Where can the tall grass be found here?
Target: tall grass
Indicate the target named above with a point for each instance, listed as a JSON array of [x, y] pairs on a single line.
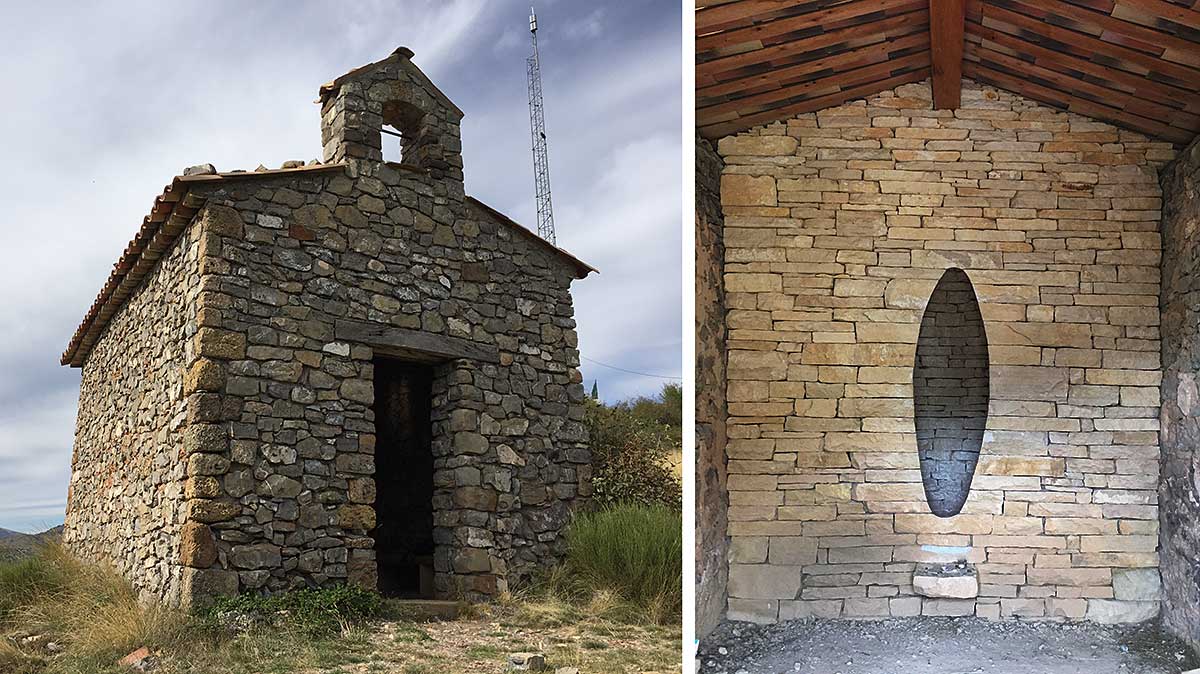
[[625, 562], [88, 609]]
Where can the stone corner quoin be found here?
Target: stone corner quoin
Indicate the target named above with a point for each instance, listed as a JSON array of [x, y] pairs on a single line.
[[837, 226], [226, 438]]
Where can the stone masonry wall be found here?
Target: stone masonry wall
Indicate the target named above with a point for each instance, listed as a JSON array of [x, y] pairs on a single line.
[[1179, 491], [712, 505], [247, 375], [838, 224], [288, 397], [125, 504]]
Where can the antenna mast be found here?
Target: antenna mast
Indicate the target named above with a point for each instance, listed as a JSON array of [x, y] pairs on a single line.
[[537, 127]]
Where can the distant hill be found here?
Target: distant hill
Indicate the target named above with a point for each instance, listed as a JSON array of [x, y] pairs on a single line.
[[14, 545]]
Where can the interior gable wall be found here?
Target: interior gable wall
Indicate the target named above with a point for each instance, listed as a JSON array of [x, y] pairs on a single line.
[[837, 226], [1180, 488]]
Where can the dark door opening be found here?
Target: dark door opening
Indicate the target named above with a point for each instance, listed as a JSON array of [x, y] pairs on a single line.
[[403, 479]]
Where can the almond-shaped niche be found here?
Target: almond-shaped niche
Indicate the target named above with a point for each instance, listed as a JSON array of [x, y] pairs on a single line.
[[950, 392]]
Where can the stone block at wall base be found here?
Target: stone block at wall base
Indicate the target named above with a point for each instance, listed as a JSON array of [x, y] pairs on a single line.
[[1114, 611], [202, 586], [761, 611]]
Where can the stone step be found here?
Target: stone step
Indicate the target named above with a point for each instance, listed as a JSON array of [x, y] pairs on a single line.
[[425, 610]]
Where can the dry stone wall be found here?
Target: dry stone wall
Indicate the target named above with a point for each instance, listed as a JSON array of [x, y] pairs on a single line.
[[286, 393], [712, 541], [125, 504], [1179, 492], [227, 435], [838, 225]]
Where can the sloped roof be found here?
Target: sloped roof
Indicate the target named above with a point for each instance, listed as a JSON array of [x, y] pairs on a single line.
[[169, 217], [1133, 63]]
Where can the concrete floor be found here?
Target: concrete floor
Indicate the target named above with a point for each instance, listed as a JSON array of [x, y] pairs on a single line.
[[942, 646]]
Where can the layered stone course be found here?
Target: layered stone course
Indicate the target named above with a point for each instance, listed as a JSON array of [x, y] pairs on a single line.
[[838, 224], [1180, 489], [712, 506], [125, 503], [301, 280]]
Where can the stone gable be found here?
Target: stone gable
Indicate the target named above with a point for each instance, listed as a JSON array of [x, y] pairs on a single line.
[[837, 227]]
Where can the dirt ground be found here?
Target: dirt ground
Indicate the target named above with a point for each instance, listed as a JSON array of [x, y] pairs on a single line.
[[942, 646], [483, 643]]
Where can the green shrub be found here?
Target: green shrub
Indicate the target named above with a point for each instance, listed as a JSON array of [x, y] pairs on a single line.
[[634, 552], [631, 442], [317, 612]]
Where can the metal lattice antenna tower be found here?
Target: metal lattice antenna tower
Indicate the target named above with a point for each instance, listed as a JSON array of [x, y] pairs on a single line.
[[537, 127]]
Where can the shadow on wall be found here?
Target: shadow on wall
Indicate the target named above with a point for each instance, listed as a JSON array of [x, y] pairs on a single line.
[[950, 392]]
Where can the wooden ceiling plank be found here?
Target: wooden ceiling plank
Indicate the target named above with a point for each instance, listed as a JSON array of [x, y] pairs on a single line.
[[1055, 60], [946, 22], [811, 105], [779, 77], [712, 18], [821, 18], [835, 83], [1131, 104], [1082, 43], [1155, 40], [801, 47], [1165, 10], [1037, 92]]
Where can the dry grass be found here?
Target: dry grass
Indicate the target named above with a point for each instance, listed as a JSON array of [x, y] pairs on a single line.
[[96, 618]]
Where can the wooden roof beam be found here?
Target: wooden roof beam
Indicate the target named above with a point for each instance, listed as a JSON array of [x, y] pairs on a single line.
[[946, 21]]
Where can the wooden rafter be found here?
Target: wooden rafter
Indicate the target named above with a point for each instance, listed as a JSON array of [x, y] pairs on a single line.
[[946, 20]]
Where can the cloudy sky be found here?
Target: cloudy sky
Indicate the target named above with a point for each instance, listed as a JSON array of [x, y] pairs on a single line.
[[105, 102]]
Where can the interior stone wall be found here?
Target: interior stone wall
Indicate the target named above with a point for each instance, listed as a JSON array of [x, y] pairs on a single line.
[[837, 226], [712, 542], [1179, 491]]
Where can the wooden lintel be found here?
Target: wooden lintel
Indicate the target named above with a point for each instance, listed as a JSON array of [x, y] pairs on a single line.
[[946, 21], [413, 344]]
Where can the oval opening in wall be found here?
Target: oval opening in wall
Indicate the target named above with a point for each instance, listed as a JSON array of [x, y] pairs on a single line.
[[950, 392]]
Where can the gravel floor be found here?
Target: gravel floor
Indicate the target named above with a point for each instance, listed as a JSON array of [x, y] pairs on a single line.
[[942, 646]]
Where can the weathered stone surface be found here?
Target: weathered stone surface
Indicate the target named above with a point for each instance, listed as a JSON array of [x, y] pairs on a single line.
[[356, 517], [1179, 490], [764, 581], [198, 548], [258, 556], [712, 507], [1111, 611], [1137, 585], [950, 587]]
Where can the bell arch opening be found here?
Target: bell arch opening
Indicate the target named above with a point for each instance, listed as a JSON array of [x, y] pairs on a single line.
[[950, 392]]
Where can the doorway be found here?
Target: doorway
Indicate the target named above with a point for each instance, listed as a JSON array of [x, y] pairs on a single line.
[[403, 479]]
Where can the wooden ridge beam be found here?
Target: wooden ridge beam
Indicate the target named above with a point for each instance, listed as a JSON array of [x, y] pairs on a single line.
[[947, 18]]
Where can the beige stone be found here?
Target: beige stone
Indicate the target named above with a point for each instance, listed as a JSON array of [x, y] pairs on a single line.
[[746, 190]]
